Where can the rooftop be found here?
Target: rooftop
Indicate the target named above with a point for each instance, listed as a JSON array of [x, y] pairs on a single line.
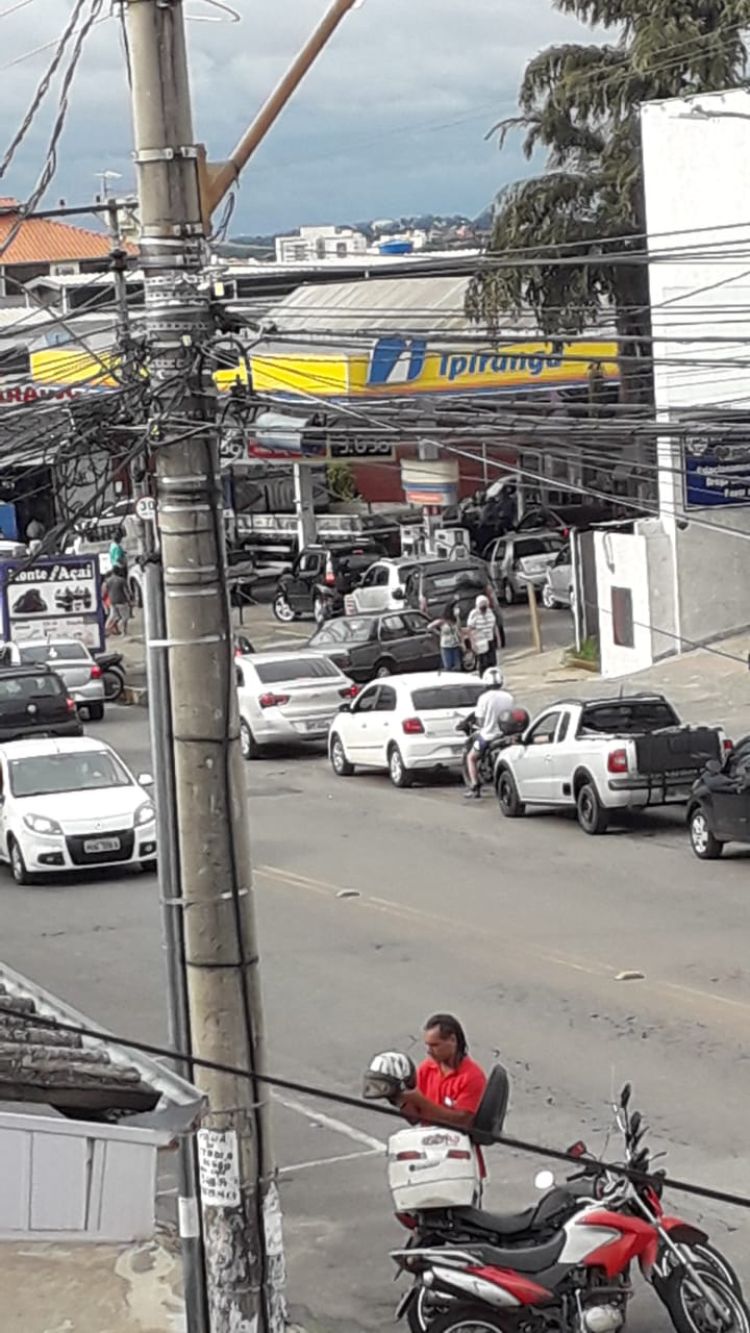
[[44, 241]]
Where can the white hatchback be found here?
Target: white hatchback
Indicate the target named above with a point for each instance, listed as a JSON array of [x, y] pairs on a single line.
[[287, 697], [69, 804], [405, 725]]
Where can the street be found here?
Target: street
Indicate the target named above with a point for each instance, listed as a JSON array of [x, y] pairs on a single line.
[[522, 928]]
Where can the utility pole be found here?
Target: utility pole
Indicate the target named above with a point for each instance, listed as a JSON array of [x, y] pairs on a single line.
[[241, 1216]]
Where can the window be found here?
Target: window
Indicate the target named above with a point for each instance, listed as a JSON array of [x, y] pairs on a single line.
[[623, 634], [376, 576], [309, 562], [452, 581], [386, 702], [16, 689], [391, 628], [628, 717], [447, 696], [352, 629], [535, 546], [239, 676], [341, 249], [66, 772], [300, 668], [367, 701], [562, 733], [543, 733], [416, 623], [33, 653]]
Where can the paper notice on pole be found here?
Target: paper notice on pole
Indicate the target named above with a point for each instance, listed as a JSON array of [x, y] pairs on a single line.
[[219, 1166]]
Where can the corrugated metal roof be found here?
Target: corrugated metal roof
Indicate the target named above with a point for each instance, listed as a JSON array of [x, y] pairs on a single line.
[[42, 241]]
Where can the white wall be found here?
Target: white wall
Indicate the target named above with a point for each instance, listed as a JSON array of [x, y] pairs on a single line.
[[622, 562], [698, 219]]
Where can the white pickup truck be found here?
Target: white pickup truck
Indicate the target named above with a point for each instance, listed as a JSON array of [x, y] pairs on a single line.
[[602, 755]]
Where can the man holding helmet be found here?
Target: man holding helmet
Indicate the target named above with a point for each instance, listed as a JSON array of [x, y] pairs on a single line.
[[447, 1087], [491, 706]]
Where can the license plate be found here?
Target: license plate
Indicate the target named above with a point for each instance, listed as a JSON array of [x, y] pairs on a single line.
[[101, 845], [321, 724]]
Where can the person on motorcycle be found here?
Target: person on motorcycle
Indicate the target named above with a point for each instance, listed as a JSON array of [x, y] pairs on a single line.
[[489, 712], [450, 1085]]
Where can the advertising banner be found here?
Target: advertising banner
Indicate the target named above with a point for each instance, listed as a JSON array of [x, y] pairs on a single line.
[[54, 598], [716, 472]]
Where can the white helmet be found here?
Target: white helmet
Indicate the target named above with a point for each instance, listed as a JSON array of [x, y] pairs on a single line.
[[388, 1074], [493, 678]]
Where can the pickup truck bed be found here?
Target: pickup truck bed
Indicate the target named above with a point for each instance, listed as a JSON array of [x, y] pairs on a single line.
[[604, 755]]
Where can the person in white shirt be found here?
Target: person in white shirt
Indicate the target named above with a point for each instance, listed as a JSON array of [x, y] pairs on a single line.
[[489, 712], [486, 634]]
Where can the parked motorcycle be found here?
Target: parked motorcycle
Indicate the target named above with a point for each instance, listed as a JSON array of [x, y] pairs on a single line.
[[577, 1242], [514, 723], [113, 675]]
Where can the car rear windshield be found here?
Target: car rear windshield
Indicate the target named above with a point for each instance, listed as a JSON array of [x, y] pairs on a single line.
[[446, 696], [70, 651], [629, 717], [354, 629], [15, 689], [536, 546], [45, 774], [301, 668], [453, 580]]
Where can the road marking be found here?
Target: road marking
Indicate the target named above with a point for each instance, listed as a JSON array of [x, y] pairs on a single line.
[[696, 994], [330, 1161], [330, 1122]]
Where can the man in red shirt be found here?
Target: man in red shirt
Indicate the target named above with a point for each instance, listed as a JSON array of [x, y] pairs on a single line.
[[450, 1085]]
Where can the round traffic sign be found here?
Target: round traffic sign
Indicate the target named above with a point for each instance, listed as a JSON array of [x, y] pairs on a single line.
[[145, 508]]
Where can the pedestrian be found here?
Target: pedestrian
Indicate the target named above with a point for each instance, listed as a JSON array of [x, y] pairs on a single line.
[[486, 634], [448, 625], [117, 553], [120, 601]]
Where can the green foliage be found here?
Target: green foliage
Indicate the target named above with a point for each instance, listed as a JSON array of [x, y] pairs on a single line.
[[581, 104], [340, 478]]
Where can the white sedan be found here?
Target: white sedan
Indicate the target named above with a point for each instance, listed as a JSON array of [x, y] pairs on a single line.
[[71, 803], [405, 725], [287, 697]]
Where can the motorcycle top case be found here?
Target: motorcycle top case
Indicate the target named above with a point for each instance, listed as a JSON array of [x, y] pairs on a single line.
[[429, 1167]]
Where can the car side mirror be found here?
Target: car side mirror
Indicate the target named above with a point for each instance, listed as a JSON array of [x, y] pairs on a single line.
[[145, 780]]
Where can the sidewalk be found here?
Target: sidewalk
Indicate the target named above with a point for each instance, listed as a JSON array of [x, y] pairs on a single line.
[[91, 1288]]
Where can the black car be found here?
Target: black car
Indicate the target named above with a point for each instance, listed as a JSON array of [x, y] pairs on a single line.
[[434, 583], [719, 807], [35, 702], [320, 578], [384, 644]]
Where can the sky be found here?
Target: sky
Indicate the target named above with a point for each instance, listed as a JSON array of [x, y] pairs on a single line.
[[391, 120]]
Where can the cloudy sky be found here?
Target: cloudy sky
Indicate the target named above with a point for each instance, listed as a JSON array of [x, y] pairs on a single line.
[[391, 120]]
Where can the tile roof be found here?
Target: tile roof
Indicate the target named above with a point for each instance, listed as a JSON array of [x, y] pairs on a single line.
[[44, 241]]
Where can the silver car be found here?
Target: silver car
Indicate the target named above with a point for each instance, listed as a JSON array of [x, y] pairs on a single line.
[[520, 558], [71, 660], [288, 698], [557, 589]]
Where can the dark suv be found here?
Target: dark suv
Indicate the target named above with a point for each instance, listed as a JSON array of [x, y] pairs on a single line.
[[320, 578], [434, 583], [35, 702]]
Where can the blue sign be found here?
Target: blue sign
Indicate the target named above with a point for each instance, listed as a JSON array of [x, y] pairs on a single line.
[[719, 476], [390, 364]]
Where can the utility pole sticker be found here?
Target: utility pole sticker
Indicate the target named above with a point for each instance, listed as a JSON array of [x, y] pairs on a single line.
[[219, 1164]]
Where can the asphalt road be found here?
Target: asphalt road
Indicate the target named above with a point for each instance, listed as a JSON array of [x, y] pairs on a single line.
[[522, 928]]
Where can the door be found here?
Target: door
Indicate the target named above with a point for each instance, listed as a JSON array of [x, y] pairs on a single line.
[[381, 727], [306, 572], [424, 652], [372, 593], [357, 727], [396, 643], [4, 796], [534, 769]]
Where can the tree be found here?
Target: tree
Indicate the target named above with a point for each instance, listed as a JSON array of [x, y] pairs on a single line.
[[581, 103]]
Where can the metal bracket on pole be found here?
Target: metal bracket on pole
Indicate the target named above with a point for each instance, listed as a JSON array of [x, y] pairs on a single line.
[[144, 156]]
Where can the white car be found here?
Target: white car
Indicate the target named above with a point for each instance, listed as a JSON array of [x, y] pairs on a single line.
[[71, 660], [405, 725], [69, 804], [287, 697], [383, 587]]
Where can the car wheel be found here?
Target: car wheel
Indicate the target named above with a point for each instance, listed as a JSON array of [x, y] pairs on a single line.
[[507, 794], [384, 669], [399, 773], [248, 744], [702, 840], [17, 864], [319, 612], [96, 712], [548, 600], [339, 762], [509, 597], [593, 817], [148, 867], [282, 610]]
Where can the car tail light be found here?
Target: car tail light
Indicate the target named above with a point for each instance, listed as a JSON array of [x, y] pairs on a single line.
[[407, 1220], [330, 576], [727, 745], [273, 700], [70, 704], [459, 1154], [350, 692], [96, 672], [412, 726], [617, 761], [410, 1155]]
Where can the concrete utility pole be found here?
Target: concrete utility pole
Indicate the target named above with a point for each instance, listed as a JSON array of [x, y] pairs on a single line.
[[241, 1217]]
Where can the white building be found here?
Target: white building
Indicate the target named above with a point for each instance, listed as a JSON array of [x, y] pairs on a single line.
[[682, 578], [313, 243]]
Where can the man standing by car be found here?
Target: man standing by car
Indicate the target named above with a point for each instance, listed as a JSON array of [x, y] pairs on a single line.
[[488, 713], [486, 634]]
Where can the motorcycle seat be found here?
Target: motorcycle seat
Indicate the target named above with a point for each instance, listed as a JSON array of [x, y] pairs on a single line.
[[525, 1259], [498, 1224]]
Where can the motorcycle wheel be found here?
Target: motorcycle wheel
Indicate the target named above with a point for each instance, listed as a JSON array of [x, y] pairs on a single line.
[[114, 684], [703, 1256], [691, 1311], [469, 1319], [423, 1311]]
